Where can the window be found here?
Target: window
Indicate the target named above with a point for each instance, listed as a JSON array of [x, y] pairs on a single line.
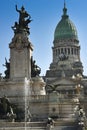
[[68, 51], [72, 51]]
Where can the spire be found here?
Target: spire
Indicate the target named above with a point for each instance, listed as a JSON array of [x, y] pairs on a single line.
[[65, 11], [64, 4]]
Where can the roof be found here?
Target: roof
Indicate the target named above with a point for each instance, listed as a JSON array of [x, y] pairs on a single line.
[[65, 29]]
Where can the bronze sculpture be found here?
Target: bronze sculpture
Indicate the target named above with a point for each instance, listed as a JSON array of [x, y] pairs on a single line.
[[24, 20]]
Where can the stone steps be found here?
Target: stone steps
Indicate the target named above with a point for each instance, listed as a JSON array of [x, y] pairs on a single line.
[[22, 128], [21, 125], [58, 125]]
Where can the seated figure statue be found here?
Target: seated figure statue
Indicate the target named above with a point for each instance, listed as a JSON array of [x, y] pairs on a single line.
[[35, 70], [6, 110], [7, 71]]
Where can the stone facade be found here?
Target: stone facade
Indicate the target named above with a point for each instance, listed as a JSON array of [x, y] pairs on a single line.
[[65, 50]]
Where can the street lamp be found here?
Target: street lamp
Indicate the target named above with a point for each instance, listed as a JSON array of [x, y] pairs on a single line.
[[78, 87]]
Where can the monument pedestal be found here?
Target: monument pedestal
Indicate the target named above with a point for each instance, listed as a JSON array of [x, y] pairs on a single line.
[[20, 57], [38, 86]]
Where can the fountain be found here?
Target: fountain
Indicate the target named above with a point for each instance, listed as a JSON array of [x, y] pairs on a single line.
[[27, 95]]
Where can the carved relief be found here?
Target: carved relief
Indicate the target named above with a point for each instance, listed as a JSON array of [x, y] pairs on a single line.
[[19, 42]]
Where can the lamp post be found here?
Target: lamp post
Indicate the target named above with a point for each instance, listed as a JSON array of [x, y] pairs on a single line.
[[81, 119], [78, 87]]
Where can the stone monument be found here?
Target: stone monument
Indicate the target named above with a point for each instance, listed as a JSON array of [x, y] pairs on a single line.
[[19, 65], [21, 48]]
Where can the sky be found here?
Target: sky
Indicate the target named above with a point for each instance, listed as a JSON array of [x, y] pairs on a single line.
[[45, 15]]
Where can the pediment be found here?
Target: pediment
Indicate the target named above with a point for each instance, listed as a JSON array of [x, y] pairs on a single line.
[[58, 84], [63, 81]]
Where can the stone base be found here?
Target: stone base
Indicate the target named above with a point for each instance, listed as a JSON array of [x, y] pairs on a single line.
[[58, 125], [22, 126]]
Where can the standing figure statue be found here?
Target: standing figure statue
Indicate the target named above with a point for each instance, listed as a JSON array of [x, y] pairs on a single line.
[[23, 22]]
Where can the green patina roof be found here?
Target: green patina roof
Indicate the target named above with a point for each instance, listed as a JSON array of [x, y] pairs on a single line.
[[65, 28]]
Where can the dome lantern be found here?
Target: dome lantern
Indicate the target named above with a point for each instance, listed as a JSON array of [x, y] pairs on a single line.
[[65, 11]]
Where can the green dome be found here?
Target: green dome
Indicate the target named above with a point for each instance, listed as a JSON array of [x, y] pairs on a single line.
[[65, 29]]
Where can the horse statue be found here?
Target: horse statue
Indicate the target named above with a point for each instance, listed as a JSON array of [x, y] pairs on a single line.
[[63, 57]]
